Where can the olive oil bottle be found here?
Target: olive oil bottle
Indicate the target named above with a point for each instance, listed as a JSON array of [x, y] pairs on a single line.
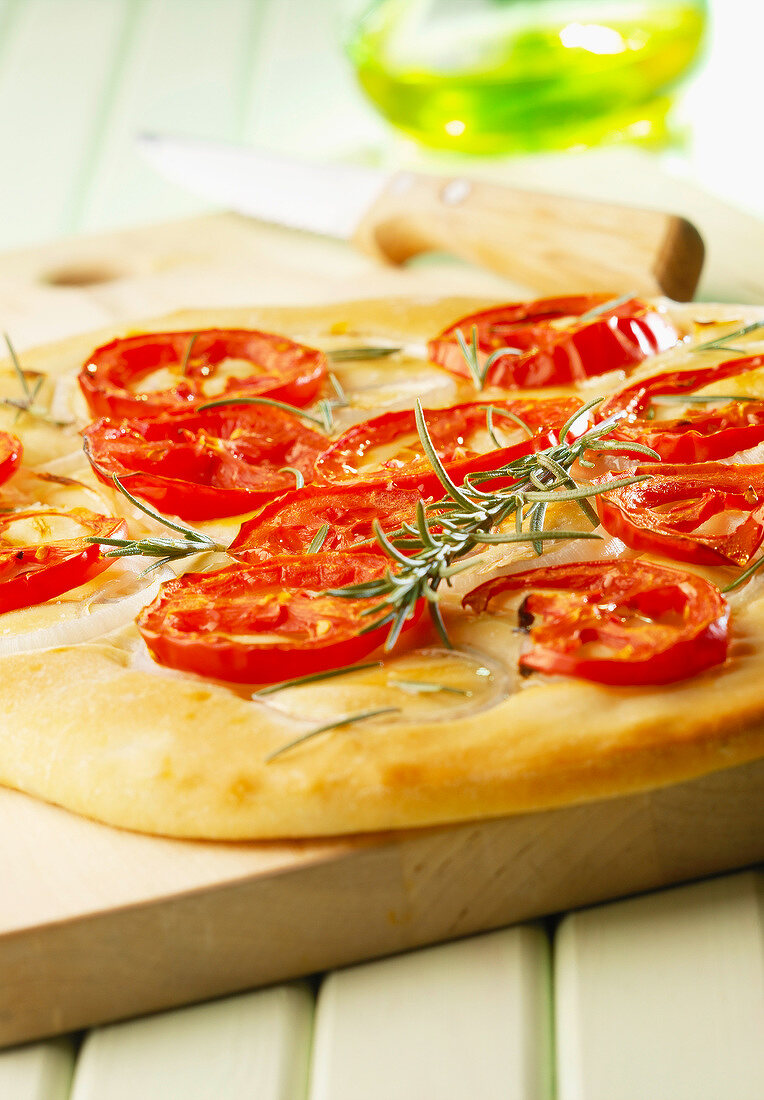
[[490, 76]]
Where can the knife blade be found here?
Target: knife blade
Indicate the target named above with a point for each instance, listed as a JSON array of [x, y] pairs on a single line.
[[551, 243]]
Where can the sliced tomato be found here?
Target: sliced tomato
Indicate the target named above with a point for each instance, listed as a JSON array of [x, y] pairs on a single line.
[[289, 524], [265, 622], [35, 565], [206, 465], [698, 435], [555, 346], [387, 450], [11, 451], [625, 622], [116, 378], [708, 512]]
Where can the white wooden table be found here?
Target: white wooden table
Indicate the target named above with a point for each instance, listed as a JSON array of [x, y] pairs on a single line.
[[658, 996]]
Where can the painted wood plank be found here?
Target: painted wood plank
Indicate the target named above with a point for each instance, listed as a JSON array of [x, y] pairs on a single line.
[[185, 69], [466, 1019], [304, 98], [254, 1045], [663, 995], [40, 1071], [56, 63]]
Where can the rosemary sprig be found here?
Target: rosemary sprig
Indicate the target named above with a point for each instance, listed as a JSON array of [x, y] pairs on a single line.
[[479, 373], [155, 546], [338, 723], [467, 517], [26, 404], [314, 678]]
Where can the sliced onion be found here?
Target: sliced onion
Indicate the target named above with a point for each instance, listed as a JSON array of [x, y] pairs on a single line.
[[114, 605], [752, 457], [67, 465], [67, 402]]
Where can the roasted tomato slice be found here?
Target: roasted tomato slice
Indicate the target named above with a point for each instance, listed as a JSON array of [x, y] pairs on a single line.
[[206, 465], [290, 524], [46, 552], [624, 622], [11, 451], [265, 622], [155, 373], [555, 346], [698, 435], [387, 450], [709, 512]]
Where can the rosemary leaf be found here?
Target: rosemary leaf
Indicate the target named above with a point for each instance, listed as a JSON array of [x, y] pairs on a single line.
[[718, 341], [341, 396], [325, 414], [389, 618], [534, 536], [437, 465], [362, 591], [583, 491], [425, 687], [623, 446], [437, 618], [314, 678], [319, 539], [744, 576], [702, 399], [298, 476], [187, 354], [395, 630], [349, 355], [605, 307], [576, 415], [320, 421], [338, 723], [470, 353], [491, 409], [193, 536], [387, 545], [20, 373]]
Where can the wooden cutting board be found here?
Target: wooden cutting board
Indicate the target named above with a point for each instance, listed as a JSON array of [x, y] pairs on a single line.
[[98, 924]]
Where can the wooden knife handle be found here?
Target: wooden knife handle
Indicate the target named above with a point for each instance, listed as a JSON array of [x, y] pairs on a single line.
[[550, 243]]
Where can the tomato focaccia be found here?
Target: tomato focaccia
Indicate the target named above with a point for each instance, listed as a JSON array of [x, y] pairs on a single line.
[[534, 507]]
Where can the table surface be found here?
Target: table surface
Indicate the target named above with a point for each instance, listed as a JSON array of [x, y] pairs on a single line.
[[656, 996], [660, 996]]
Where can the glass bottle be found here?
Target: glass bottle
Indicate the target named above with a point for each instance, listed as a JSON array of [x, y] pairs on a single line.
[[489, 76]]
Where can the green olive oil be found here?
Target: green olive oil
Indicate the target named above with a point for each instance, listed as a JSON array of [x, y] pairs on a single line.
[[512, 75]]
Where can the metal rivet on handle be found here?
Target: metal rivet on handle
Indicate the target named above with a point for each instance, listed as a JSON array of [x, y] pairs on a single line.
[[456, 191]]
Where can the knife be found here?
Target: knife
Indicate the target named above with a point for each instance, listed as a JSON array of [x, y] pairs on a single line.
[[551, 243]]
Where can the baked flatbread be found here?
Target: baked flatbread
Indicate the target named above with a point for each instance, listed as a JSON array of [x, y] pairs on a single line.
[[94, 724]]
